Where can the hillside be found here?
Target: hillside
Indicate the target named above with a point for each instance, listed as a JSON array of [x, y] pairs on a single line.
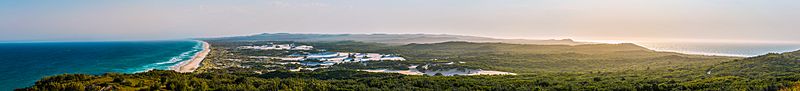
[[389, 38], [357, 80], [541, 67], [772, 64], [770, 71], [522, 58]]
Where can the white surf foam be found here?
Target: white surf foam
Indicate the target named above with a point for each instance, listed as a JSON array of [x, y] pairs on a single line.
[[166, 65]]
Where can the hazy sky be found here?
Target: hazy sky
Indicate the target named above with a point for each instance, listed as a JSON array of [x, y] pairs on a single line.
[[628, 20]]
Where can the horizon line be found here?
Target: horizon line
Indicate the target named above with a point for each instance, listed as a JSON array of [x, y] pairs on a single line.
[[568, 38]]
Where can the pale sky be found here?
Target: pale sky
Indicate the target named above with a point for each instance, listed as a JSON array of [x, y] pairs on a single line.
[[623, 20]]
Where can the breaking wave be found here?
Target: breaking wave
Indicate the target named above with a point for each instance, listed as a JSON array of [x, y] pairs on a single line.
[[173, 61]]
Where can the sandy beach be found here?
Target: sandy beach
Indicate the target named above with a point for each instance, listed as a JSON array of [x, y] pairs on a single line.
[[194, 63]]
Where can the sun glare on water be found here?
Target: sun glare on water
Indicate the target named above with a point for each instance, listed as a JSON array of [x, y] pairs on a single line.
[[606, 41]]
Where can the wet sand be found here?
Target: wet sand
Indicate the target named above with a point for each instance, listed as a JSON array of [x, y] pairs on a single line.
[[194, 63]]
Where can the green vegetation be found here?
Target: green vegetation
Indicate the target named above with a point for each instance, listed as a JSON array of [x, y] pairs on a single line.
[[348, 80], [520, 58], [540, 67], [771, 71]]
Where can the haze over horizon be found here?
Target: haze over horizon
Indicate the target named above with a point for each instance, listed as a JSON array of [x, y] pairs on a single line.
[[610, 21]]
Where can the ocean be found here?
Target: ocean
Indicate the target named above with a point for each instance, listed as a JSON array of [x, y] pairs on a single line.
[[722, 49], [24, 63]]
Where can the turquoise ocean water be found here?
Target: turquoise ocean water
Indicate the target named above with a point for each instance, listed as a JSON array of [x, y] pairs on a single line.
[[21, 64]]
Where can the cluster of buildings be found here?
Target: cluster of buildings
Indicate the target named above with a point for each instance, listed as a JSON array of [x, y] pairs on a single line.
[[322, 58], [357, 57], [331, 58], [279, 47]]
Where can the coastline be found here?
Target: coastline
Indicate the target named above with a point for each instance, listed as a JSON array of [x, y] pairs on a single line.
[[707, 53], [192, 64]]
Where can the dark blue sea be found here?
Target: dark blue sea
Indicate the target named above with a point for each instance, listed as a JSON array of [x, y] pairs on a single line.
[[21, 64]]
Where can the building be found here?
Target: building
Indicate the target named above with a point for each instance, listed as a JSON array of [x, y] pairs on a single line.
[[279, 47], [322, 55], [303, 47], [392, 58]]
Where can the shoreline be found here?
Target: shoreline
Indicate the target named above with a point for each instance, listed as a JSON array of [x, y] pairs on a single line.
[[190, 65], [707, 53]]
